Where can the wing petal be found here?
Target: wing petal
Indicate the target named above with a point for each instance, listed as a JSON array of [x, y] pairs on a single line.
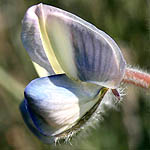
[[57, 103]]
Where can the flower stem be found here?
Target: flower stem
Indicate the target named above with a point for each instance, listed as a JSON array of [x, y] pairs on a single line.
[[136, 77]]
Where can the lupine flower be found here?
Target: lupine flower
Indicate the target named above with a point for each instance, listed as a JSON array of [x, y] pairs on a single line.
[[84, 68]]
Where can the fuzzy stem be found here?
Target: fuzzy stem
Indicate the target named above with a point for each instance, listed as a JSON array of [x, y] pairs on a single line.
[[136, 77]]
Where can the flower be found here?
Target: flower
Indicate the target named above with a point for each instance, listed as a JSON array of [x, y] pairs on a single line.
[[83, 64]]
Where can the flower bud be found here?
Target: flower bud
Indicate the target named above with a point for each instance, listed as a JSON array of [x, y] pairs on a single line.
[[83, 61]]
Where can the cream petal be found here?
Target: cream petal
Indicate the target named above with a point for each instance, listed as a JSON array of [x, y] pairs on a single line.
[[57, 103], [84, 52]]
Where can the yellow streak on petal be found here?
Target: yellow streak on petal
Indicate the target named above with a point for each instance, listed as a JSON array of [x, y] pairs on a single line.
[[40, 70], [47, 46]]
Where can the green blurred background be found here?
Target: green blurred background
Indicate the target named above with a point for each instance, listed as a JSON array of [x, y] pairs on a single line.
[[128, 22]]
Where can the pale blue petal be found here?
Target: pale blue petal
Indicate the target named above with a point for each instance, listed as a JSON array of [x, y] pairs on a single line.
[[56, 103]]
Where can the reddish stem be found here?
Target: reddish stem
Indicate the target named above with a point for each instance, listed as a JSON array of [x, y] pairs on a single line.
[[136, 77]]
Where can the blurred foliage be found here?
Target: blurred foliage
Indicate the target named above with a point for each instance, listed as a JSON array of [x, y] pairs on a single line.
[[128, 22]]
